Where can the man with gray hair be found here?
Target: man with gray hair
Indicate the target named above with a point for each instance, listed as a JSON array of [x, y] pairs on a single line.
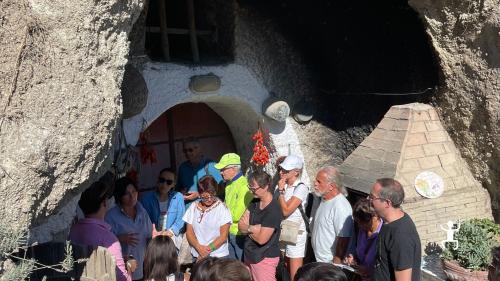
[[398, 251], [333, 224], [194, 168]]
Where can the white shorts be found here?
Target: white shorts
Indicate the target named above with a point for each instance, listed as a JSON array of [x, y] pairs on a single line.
[[296, 250]]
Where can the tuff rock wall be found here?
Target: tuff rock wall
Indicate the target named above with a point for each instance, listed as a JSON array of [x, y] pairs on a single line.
[[61, 67], [466, 38]]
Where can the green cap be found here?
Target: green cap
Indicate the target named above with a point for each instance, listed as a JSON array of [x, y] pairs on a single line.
[[228, 159]]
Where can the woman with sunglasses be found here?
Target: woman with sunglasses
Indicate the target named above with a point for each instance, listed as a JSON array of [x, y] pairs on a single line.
[[261, 222], [130, 222], [207, 222], [165, 207]]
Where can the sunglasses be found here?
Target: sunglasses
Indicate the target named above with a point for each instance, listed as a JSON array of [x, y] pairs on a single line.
[[168, 181], [185, 150]]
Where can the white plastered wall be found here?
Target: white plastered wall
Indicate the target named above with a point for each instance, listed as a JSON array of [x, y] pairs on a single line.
[[238, 101]]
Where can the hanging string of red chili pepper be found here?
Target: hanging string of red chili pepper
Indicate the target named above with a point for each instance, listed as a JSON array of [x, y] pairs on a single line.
[[133, 175], [147, 152], [260, 153]]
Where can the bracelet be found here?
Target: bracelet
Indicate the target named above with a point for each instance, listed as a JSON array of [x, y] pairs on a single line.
[[212, 246]]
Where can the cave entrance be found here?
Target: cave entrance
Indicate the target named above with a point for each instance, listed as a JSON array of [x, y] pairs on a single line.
[[167, 133]]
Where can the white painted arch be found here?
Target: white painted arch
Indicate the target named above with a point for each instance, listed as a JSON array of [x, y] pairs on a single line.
[[238, 101]]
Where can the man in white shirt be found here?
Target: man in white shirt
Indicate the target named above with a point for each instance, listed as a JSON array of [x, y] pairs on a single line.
[[333, 224]]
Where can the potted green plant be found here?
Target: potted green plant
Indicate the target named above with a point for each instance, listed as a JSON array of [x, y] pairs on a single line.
[[469, 259]]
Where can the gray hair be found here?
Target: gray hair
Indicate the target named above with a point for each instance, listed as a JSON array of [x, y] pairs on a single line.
[[333, 176], [238, 167], [392, 190]]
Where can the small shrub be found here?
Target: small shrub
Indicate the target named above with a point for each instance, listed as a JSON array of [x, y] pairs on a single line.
[[15, 267], [475, 242]]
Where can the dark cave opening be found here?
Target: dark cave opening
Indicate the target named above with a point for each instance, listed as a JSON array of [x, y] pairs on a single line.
[[364, 56], [358, 46]]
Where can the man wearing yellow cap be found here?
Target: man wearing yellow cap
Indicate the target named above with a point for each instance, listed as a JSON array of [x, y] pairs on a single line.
[[237, 197]]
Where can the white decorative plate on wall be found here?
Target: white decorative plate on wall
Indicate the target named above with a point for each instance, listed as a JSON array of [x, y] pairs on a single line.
[[429, 184]]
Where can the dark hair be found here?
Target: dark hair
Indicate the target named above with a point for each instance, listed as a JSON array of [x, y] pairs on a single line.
[[363, 211], [121, 188], [160, 259], [320, 271], [91, 199], [279, 160], [216, 269], [201, 269], [392, 190], [262, 179], [191, 140], [167, 170], [495, 253], [207, 184]]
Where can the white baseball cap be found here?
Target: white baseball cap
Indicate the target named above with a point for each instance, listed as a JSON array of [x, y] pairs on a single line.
[[292, 162]]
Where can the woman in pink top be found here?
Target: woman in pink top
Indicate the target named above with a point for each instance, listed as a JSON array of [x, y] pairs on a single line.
[[94, 231]]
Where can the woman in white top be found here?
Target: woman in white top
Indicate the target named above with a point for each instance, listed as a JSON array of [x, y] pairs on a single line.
[[292, 194], [160, 260], [207, 222]]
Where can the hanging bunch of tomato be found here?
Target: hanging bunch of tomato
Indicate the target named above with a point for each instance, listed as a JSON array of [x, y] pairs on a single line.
[[260, 153], [148, 154]]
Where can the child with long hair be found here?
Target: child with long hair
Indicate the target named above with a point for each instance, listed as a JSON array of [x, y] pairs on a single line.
[[160, 260]]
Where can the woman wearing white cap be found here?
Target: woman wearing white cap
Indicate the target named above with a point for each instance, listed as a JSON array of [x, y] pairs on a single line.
[[292, 197]]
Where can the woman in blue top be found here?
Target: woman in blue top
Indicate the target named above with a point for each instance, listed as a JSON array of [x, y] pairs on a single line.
[[130, 223], [165, 206]]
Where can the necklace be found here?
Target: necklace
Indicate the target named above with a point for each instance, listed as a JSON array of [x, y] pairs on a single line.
[[203, 212]]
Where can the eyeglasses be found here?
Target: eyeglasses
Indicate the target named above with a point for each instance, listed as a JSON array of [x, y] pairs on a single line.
[[372, 197], [253, 189], [207, 198], [226, 168], [163, 180]]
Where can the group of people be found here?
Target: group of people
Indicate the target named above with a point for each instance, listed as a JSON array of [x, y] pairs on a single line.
[[229, 222]]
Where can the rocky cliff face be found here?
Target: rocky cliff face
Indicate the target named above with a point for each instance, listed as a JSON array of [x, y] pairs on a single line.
[[466, 37], [62, 63], [61, 68]]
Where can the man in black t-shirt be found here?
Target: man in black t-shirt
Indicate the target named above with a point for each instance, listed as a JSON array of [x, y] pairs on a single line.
[[398, 249]]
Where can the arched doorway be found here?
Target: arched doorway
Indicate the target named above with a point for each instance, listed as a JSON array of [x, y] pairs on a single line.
[[166, 134]]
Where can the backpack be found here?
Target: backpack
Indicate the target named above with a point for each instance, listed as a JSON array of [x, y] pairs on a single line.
[[305, 216]]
